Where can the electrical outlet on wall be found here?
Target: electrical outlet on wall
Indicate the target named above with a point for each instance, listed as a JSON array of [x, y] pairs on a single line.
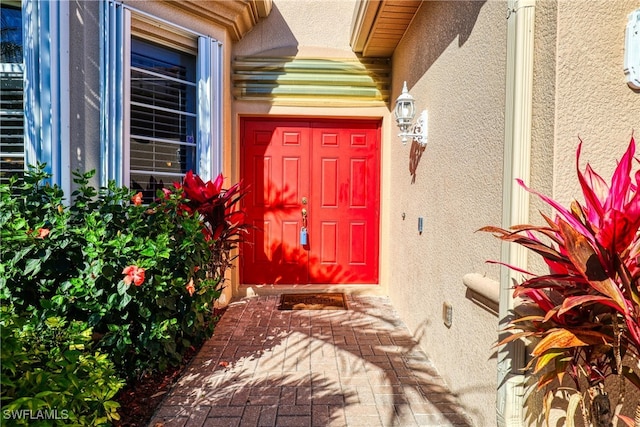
[[447, 314]]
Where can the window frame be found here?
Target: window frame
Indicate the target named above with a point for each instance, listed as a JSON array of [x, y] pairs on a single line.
[[117, 30], [46, 89]]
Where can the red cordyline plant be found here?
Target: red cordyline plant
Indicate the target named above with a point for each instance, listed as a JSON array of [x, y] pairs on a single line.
[[587, 308], [223, 223]]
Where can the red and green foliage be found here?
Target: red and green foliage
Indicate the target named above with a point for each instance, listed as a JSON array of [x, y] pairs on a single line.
[[140, 280], [588, 304], [223, 223]]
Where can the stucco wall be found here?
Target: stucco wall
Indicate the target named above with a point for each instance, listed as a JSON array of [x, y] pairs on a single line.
[[303, 27], [543, 106], [593, 100], [453, 58]]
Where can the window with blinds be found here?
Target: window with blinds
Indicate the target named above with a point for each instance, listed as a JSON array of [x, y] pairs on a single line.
[[163, 126], [11, 93]]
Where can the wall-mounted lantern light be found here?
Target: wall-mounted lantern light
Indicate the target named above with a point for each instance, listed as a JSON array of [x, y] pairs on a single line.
[[405, 111]]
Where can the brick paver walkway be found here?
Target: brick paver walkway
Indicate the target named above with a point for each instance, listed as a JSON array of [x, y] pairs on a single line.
[[265, 367]]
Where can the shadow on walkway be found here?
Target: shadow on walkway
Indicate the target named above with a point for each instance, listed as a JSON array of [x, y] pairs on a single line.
[[265, 367]]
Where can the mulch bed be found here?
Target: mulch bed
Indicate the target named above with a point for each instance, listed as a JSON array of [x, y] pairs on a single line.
[[140, 399]]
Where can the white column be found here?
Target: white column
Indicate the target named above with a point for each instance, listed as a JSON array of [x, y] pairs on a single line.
[[517, 159]]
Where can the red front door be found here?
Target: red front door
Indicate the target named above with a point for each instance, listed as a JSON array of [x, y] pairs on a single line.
[[320, 175]]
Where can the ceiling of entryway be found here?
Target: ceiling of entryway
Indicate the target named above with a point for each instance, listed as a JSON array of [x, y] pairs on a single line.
[[378, 25]]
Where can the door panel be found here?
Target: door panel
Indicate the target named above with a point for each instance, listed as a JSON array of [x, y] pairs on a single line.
[[334, 167], [276, 168], [346, 155]]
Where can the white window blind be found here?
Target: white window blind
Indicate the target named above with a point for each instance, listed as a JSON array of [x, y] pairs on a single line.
[[11, 94], [162, 135], [11, 124]]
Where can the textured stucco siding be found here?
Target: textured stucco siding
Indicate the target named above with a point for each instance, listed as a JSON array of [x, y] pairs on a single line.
[[453, 58], [593, 100], [302, 28]]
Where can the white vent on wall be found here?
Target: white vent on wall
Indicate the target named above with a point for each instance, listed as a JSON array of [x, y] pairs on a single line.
[[632, 50]]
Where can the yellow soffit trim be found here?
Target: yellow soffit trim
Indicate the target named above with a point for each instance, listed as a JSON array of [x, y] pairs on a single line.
[[312, 81]]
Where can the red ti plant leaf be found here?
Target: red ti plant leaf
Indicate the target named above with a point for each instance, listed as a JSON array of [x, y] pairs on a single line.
[[632, 264], [585, 258], [621, 180], [582, 300], [614, 212], [537, 296], [562, 210], [200, 192], [626, 420], [217, 208], [544, 359], [594, 189]]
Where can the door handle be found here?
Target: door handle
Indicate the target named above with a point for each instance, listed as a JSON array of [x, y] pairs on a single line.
[[304, 235]]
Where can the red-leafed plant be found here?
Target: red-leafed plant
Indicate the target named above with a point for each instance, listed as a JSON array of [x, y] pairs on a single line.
[[223, 223], [587, 307]]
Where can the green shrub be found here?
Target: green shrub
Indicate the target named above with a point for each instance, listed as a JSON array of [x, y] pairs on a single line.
[[136, 274], [52, 376], [102, 287]]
